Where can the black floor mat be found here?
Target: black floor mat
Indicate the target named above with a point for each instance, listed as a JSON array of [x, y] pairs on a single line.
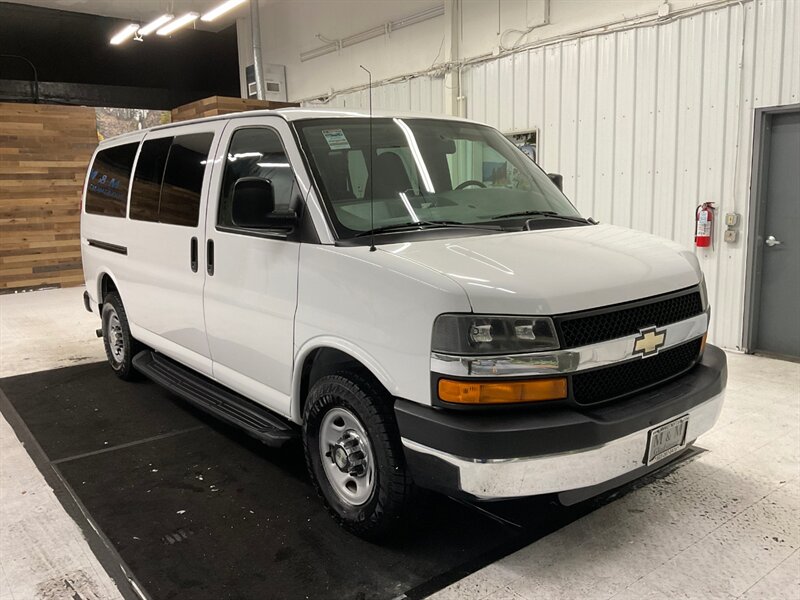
[[198, 510]]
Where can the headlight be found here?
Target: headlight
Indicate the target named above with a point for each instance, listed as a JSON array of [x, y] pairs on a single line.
[[485, 334]]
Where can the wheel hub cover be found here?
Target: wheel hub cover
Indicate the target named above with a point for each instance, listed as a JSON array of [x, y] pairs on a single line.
[[348, 455]]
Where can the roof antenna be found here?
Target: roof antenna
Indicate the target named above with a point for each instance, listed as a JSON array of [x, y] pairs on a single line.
[[371, 172]]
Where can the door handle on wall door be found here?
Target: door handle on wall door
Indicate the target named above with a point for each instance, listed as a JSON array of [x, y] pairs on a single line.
[[193, 254], [210, 257], [771, 241]]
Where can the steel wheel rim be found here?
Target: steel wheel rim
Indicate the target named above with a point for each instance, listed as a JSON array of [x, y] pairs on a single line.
[[116, 341], [341, 431]]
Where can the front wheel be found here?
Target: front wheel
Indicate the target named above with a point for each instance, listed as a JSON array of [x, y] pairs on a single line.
[[354, 455]]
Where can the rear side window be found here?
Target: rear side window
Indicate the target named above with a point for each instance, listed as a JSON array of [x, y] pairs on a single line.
[[169, 179], [183, 179], [147, 180], [109, 178]]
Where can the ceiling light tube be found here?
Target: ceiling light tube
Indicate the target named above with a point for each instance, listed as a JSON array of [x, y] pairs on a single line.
[[177, 23], [125, 34], [153, 25], [221, 9]]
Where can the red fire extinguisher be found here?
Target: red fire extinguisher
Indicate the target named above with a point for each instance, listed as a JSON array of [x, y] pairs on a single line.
[[704, 218]]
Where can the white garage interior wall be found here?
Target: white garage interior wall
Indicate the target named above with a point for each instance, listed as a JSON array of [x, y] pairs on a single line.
[[645, 122]]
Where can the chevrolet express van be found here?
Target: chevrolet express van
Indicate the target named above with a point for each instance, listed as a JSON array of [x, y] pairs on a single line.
[[412, 297]]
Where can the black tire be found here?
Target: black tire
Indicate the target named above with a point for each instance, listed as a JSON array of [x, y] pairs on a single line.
[[373, 407], [115, 340]]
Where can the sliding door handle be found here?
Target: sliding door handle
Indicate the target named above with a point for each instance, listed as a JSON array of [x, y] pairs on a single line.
[[193, 254], [210, 257]]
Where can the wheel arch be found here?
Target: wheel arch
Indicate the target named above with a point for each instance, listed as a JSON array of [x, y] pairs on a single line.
[[106, 282], [325, 356]]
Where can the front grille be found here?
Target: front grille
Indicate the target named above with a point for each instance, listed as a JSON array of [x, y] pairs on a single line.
[[609, 383], [623, 321]]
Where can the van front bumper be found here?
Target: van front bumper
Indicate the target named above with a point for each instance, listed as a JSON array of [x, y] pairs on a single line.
[[512, 453]]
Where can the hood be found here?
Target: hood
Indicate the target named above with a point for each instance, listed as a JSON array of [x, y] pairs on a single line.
[[556, 271]]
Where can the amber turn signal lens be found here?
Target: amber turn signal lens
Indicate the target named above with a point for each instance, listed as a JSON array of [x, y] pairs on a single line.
[[502, 392], [703, 343]]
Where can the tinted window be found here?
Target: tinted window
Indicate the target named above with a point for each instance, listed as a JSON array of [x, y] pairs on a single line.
[[109, 178], [256, 152], [147, 180], [183, 179]]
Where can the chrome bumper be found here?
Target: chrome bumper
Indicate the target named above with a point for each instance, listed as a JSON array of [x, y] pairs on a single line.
[[549, 473]]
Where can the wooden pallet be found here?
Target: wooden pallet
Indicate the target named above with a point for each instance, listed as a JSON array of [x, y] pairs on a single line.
[[222, 105], [44, 154]]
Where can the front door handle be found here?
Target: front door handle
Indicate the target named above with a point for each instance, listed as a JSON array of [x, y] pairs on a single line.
[[771, 241], [210, 257], [193, 254]]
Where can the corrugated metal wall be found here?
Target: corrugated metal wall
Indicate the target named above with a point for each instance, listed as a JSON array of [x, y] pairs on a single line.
[[421, 94], [646, 123]]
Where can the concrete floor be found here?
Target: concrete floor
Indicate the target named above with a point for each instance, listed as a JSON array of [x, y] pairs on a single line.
[[725, 525], [43, 553]]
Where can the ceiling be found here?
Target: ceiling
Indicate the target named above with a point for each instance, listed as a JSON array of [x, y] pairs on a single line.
[[144, 11]]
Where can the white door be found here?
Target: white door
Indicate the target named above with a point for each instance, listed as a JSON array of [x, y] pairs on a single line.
[[164, 274], [251, 285]]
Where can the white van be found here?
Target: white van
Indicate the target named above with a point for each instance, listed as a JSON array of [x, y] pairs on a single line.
[[413, 297]]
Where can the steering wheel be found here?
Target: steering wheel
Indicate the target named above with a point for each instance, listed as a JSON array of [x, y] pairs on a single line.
[[470, 182]]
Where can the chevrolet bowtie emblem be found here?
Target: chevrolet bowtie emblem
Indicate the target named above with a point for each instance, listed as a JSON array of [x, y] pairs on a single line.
[[649, 342]]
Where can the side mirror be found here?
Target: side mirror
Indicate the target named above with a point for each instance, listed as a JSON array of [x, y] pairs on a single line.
[[557, 179], [253, 206]]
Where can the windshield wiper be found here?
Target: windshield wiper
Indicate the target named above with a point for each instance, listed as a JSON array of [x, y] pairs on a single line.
[[423, 225], [544, 213]]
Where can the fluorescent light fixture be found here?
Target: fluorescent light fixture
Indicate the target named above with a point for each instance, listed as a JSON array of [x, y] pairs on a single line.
[[177, 23], [269, 165], [125, 34], [153, 25], [222, 9]]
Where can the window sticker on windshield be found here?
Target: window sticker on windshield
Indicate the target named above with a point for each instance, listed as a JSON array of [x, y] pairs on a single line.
[[336, 139]]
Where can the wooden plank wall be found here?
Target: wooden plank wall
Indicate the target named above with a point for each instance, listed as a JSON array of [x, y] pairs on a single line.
[[44, 154], [222, 105]]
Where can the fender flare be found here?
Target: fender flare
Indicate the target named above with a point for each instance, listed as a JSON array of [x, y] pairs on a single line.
[[336, 343], [104, 271]]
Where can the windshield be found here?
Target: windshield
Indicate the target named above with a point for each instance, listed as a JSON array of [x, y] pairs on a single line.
[[425, 171]]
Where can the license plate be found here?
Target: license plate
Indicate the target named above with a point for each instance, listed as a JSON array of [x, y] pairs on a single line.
[[667, 439]]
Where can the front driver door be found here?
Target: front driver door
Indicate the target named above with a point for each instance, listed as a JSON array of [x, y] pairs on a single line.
[[251, 283]]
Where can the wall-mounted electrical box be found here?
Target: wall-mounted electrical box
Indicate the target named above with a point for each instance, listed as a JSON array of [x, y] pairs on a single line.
[[731, 222], [274, 82]]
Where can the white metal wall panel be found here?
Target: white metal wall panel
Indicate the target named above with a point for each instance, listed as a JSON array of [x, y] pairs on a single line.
[[645, 123], [493, 92], [520, 77], [606, 128], [644, 129], [790, 83], [690, 101], [536, 96], [587, 127], [570, 92], [624, 115], [666, 138], [420, 94], [506, 90]]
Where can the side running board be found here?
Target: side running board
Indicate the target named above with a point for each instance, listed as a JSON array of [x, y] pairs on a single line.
[[215, 399]]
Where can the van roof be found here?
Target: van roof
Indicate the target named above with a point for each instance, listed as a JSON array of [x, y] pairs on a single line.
[[290, 114]]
